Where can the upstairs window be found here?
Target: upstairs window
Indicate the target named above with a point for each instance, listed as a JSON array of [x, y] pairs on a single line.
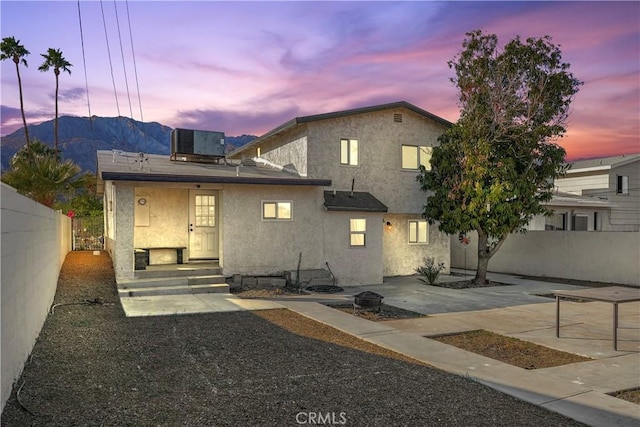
[[413, 156], [276, 210], [357, 232], [418, 231], [622, 186], [349, 152]]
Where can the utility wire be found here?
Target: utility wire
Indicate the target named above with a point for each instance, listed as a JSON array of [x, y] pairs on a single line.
[[84, 62], [106, 36], [133, 53], [124, 66]]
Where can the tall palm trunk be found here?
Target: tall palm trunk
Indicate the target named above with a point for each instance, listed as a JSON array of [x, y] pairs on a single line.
[[55, 122], [24, 119]]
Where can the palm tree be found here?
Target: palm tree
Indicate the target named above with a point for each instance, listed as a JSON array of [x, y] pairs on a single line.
[[11, 48], [39, 174], [54, 59]]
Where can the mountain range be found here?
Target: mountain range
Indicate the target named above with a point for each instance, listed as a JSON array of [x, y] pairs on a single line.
[[80, 137]]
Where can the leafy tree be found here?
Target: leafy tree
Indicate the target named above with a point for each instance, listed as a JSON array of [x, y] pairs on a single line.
[[12, 49], [82, 198], [496, 165], [40, 175], [54, 59]]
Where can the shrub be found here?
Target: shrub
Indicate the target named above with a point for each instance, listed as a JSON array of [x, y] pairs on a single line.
[[429, 270]]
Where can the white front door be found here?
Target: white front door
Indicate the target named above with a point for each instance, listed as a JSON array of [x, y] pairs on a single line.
[[203, 224]]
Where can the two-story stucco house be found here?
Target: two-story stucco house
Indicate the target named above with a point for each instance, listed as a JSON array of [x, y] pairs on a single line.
[[377, 150], [613, 180], [340, 188]]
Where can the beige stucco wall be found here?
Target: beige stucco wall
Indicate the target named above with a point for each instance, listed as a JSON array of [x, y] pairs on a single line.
[[162, 221], [262, 247], [401, 258], [353, 265], [292, 157], [35, 241], [380, 141], [584, 255]]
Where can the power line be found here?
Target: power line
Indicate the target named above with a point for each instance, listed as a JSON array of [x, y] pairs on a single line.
[[84, 62], [106, 36], [124, 67], [133, 53]]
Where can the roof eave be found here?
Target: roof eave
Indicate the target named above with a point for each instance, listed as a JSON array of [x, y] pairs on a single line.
[[118, 176]]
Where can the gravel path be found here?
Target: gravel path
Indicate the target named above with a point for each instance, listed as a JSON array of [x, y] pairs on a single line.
[[93, 366]]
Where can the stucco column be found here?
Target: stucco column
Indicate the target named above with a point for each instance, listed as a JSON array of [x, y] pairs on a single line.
[[123, 260]]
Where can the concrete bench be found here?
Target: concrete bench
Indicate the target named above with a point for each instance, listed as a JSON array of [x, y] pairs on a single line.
[[179, 252]]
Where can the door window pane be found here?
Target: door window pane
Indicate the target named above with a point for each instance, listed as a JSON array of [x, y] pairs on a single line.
[[205, 211]]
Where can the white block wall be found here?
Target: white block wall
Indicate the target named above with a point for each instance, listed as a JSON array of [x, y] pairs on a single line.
[[606, 256], [34, 243]]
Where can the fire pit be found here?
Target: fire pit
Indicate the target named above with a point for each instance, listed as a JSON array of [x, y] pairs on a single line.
[[367, 301]]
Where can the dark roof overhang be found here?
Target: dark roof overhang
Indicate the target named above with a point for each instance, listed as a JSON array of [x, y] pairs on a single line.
[[147, 177], [357, 201]]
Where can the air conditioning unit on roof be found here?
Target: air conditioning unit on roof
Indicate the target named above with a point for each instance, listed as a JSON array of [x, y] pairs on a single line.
[[197, 142]]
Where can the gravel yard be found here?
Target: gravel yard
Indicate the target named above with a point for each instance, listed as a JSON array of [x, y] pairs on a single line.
[[93, 366]]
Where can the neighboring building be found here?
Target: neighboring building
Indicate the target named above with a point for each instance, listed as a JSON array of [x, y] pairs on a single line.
[[572, 213], [615, 180], [340, 188]]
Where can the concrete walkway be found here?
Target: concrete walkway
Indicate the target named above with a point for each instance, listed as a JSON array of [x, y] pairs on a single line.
[[578, 390]]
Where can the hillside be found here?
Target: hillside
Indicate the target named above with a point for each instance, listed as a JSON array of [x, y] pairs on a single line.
[[81, 137]]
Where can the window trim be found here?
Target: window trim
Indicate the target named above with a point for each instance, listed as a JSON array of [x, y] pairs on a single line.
[[418, 156], [417, 242], [363, 233], [276, 203], [621, 180], [349, 142]]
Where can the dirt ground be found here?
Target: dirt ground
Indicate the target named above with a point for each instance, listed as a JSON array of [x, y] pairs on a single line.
[[91, 365]]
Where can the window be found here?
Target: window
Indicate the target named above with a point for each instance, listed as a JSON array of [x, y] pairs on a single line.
[[205, 211], [418, 231], [349, 152], [414, 156], [579, 222], [595, 221], [276, 210], [558, 221], [622, 186], [358, 230]]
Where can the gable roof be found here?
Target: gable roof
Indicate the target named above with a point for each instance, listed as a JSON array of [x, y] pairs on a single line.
[[324, 116], [602, 163], [117, 165], [357, 201]]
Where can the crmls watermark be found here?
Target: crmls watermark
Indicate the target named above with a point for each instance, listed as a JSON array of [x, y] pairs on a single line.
[[321, 418]]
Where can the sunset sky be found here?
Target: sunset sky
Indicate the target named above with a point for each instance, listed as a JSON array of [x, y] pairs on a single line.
[[247, 67]]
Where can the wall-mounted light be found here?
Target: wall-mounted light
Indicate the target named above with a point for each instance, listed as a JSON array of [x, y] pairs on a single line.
[[387, 224], [142, 201]]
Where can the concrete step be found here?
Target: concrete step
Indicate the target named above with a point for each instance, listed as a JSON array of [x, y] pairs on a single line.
[[185, 271], [171, 281], [174, 290]]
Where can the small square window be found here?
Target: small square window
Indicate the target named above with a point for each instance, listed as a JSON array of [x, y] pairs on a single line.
[[415, 156], [349, 152], [622, 185], [418, 231], [358, 230], [276, 210]]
